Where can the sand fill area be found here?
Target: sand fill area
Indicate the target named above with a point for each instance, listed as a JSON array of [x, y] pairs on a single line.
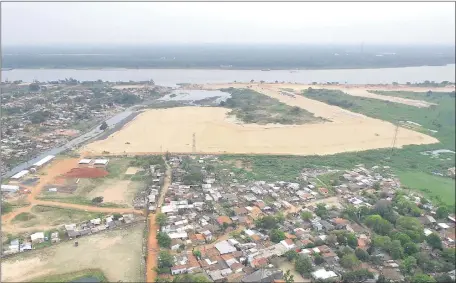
[[172, 130]]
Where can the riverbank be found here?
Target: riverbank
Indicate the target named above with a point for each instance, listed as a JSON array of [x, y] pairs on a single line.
[[172, 77], [209, 68]]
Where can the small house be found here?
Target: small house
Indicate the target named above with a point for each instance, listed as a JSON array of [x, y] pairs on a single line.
[[37, 237]]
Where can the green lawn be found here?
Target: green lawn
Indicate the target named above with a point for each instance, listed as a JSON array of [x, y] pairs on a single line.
[[252, 107], [441, 189], [73, 276]]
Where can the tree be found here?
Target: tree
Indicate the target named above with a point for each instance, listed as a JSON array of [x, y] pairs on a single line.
[[410, 248], [116, 216], [449, 255], [442, 212], [103, 126], [318, 259], [408, 265], [197, 254], [444, 278], [321, 210], [382, 242], [423, 278], [361, 254], [276, 235], [331, 240], [97, 200], [380, 225], [291, 254], [352, 241], [402, 237], [185, 278], [34, 87], [161, 219], [303, 265], [349, 261], [288, 277], [396, 250], [381, 279], [164, 240], [165, 259], [412, 227], [434, 241], [360, 275], [267, 222]]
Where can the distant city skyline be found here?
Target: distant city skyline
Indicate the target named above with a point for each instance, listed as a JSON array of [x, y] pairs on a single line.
[[238, 23]]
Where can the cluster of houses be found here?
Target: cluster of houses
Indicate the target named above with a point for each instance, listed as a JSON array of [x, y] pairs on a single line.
[[97, 225], [218, 219], [18, 245], [70, 231], [42, 118]]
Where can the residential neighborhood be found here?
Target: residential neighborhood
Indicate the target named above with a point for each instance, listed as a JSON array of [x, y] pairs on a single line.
[[233, 231]]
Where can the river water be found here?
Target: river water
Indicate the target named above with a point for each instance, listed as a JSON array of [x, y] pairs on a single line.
[[170, 77]]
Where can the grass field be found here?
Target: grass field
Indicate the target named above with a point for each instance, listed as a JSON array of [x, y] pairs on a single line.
[[252, 107], [439, 117], [117, 254], [73, 276], [436, 188]]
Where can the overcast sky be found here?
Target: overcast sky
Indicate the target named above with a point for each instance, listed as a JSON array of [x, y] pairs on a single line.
[[143, 23]]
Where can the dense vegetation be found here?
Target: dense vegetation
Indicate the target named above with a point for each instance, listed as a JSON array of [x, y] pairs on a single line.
[[226, 56], [252, 107], [412, 167]]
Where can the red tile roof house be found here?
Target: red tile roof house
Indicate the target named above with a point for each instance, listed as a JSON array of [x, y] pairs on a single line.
[[323, 191], [223, 219]]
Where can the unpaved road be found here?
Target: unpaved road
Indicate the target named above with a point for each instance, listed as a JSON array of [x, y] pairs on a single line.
[[56, 168], [215, 133], [152, 244]]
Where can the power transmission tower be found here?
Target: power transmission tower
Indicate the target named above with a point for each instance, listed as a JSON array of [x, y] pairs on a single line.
[[396, 130], [194, 143]]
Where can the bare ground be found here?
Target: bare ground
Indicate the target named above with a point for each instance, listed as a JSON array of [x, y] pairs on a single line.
[[117, 253], [217, 134]]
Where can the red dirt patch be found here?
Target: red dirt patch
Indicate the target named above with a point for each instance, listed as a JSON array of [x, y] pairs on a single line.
[[86, 173]]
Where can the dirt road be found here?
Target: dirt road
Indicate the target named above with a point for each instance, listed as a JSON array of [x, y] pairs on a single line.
[[152, 244], [55, 169]]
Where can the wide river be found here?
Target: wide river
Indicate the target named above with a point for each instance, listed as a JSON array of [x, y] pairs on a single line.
[[170, 77]]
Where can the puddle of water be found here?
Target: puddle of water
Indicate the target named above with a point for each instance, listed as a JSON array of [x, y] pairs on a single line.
[[193, 95]]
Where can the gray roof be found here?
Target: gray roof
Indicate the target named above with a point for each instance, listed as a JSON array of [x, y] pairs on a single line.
[[265, 275]]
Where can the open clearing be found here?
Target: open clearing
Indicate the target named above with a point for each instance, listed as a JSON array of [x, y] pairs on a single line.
[[117, 253], [51, 217], [162, 130], [367, 91]]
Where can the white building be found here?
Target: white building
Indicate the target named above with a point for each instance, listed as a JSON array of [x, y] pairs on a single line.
[[9, 188], [20, 174], [37, 237], [224, 247], [323, 274], [44, 161]]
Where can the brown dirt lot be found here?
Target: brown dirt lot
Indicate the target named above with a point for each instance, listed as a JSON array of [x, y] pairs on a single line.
[[215, 133], [116, 191], [117, 253]]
